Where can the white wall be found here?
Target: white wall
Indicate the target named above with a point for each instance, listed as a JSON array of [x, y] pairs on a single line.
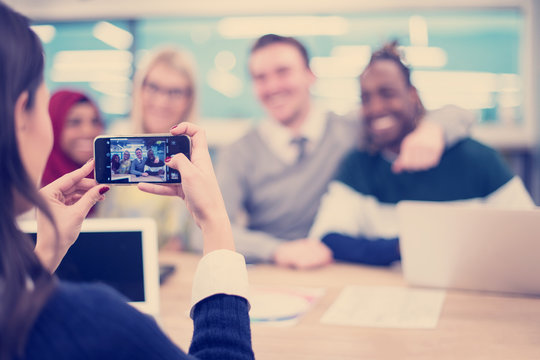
[[92, 9]]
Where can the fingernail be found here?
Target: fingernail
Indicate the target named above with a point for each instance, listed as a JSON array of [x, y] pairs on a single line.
[[167, 159], [90, 160], [103, 190], [173, 127]]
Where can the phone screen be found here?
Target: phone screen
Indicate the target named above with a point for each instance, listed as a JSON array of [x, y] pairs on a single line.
[[134, 159]]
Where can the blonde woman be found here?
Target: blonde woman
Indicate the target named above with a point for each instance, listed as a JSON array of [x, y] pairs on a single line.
[[164, 94]]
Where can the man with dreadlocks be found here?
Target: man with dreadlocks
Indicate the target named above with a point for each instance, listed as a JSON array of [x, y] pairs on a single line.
[[357, 219]]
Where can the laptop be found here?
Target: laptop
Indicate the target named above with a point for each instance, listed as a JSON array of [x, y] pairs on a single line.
[[122, 253], [470, 247]]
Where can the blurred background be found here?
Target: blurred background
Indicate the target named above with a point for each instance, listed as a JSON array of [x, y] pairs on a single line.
[[481, 55]]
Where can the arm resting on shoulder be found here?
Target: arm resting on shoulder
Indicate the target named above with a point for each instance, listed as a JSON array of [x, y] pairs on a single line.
[[455, 122], [423, 148]]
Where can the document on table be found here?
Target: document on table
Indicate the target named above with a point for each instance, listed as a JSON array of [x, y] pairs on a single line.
[[386, 307]]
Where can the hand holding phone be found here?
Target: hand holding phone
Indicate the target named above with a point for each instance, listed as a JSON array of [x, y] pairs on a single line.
[[138, 158], [199, 190]]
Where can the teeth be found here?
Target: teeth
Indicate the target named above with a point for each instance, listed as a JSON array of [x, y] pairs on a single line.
[[383, 123], [275, 100]]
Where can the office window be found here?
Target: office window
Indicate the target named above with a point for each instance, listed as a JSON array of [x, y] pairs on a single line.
[[94, 57], [472, 58]]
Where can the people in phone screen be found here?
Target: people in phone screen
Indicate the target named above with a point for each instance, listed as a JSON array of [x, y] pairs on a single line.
[[115, 163], [153, 165], [137, 165], [125, 163]]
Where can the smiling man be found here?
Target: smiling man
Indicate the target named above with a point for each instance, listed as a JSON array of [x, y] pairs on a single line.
[[275, 175], [357, 220]]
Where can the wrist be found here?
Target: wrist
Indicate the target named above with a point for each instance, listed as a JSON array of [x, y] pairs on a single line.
[[50, 256], [217, 233]]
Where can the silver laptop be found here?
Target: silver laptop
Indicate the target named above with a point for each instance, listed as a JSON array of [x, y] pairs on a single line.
[[122, 253], [472, 248]]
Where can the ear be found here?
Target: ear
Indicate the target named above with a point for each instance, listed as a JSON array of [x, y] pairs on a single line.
[[312, 77], [415, 99], [413, 94], [20, 113]]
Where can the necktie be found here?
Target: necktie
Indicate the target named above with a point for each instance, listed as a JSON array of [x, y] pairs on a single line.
[[300, 142]]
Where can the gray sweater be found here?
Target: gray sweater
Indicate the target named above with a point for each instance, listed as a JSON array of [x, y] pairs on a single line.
[[281, 200]]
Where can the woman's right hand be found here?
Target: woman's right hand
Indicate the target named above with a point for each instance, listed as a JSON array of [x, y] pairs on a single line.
[[199, 189], [70, 198]]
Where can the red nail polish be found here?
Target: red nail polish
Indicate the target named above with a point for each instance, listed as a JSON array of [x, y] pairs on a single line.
[[103, 190], [167, 159], [173, 127]]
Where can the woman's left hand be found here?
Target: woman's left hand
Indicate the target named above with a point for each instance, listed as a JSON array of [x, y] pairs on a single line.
[[69, 198]]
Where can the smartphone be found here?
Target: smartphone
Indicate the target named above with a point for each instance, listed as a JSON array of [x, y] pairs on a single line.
[[138, 158]]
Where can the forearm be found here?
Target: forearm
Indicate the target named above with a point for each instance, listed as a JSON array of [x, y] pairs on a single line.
[[219, 307], [49, 255], [221, 329], [382, 252], [342, 210], [455, 122]]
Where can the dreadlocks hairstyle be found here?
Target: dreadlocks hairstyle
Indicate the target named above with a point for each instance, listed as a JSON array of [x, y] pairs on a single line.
[[390, 51]]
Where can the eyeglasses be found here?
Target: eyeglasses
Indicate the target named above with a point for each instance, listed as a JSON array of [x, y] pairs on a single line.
[[171, 93]]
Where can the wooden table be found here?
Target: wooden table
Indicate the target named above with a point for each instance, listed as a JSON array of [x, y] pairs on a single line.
[[472, 325]]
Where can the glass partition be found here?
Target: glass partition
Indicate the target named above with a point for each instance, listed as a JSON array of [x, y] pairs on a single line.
[[471, 58]]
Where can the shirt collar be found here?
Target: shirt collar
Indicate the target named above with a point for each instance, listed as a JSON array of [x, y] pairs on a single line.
[[312, 129], [278, 137]]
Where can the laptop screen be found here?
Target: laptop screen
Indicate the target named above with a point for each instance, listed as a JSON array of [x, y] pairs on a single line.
[[121, 253], [112, 258]]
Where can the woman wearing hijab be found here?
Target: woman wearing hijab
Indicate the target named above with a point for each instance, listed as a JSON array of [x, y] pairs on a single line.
[[76, 122]]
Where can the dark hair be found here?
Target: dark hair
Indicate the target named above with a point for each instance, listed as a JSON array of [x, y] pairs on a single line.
[[115, 162], [270, 39], [25, 284], [391, 52]]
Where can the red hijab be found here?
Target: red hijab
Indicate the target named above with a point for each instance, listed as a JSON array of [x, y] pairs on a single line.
[[59, 163]]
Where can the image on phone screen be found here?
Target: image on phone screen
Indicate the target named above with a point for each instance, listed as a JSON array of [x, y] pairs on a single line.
[[137, 159]]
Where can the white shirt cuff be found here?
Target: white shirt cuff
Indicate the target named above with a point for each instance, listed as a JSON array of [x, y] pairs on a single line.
[[219, 272]]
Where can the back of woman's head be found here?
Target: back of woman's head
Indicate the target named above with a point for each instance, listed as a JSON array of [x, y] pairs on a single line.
[[24, 283], [177, 60]]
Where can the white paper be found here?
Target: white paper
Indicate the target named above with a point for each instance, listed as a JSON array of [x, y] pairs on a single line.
[[386, 307]]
